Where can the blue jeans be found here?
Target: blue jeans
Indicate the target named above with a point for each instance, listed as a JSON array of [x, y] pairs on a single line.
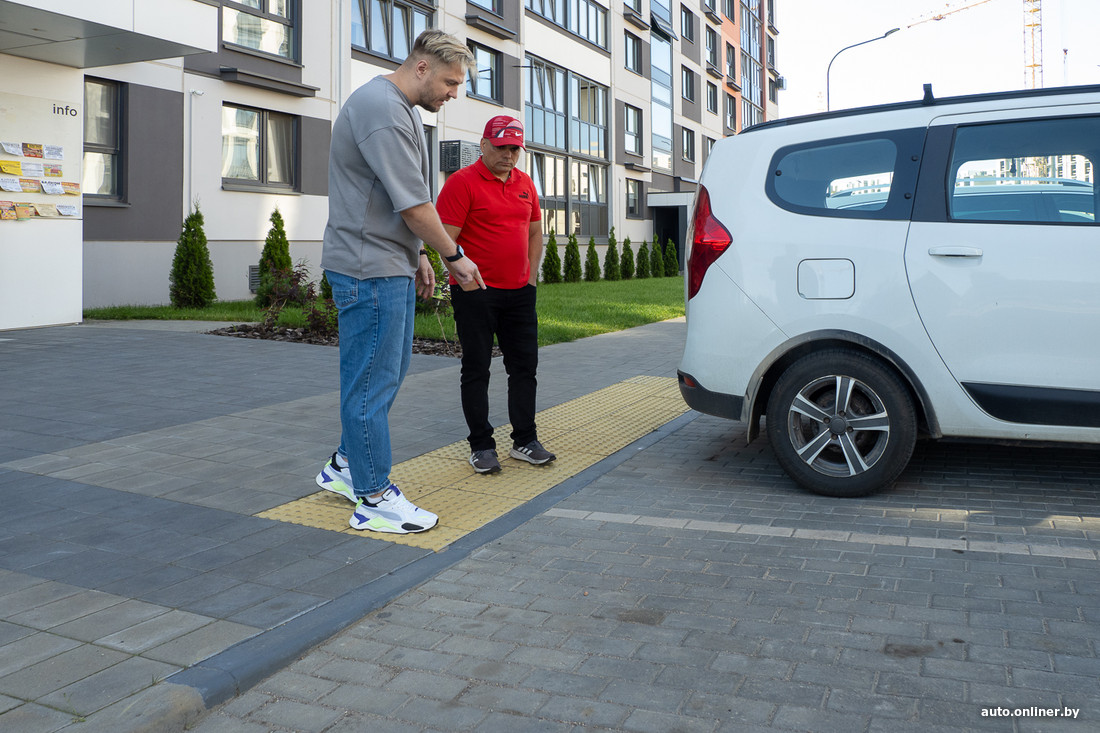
[[376, 331]]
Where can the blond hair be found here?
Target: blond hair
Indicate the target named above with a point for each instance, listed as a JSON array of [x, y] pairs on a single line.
[[443, 47]]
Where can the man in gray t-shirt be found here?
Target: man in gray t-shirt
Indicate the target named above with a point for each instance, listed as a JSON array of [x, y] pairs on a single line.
[[379, 211]]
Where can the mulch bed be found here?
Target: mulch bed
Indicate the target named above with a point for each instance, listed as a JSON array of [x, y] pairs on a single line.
[[299, 335]]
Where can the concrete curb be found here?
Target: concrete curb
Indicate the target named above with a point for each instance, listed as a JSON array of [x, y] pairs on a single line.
[[188, 694]]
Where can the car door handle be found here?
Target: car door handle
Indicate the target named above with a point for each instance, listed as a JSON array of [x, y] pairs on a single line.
[[954, 251]]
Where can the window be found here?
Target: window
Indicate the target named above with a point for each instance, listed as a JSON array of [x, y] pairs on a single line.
[[661, 109], [773, 91], [712, 98], [548, 174], [687, 24], [729, 7], [687, 83], [731, 112], [687, 144], [545, 104], [588, 197], [771, 52], [102, 139], [587, 117], [388, 27], [484, 82], [573, 191], [633, 199], [709, 4], [712, 47], [731, 61], [632, 126], [261, 25], [633, 53], [584, 18], [492, 5], [258, 147], [851, 178], [1032, 172], [752, 69], [635, 5], [708, 145]]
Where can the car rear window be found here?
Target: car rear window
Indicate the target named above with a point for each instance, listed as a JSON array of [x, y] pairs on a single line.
[[859, 177]]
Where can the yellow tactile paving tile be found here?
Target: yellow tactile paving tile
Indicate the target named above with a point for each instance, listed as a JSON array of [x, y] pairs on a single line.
[[582, 432]]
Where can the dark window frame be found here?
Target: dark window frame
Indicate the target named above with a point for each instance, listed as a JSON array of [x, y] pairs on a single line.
[[496, 81], [115, 150], [264, 183], [416, 8], [291, 20]]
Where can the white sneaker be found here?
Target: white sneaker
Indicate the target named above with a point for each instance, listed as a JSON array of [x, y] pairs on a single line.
[[391, 512], [337, 480]]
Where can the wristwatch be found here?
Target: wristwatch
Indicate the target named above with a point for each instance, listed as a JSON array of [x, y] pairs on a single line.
[[458, 255]]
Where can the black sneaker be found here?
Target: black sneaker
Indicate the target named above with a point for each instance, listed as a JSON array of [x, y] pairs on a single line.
[[533, 452], [485, 461]]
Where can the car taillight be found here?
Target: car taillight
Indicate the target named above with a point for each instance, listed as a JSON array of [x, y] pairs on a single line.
[[709, 241]]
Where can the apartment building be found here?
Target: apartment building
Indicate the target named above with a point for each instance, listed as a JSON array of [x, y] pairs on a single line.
[[229, 106]]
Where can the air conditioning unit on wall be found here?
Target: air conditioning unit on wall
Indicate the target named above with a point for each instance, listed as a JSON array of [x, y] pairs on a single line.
[[457, 154], [781, 83]]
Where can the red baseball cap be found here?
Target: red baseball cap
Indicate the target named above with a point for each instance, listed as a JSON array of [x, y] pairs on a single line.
[[504, 130]]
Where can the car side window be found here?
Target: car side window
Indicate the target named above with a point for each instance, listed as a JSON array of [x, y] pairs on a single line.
[[868, 177], [1026, 172]]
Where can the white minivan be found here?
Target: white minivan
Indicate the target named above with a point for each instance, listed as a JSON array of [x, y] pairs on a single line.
[[866, 277]]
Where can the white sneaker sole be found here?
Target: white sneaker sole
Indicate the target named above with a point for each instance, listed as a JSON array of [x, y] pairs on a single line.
[[524, 457]]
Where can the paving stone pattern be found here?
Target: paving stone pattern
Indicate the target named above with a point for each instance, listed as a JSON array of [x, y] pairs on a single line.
[[640, 604]]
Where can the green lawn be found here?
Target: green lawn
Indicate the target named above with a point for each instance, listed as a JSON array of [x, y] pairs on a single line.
[[567, 311]]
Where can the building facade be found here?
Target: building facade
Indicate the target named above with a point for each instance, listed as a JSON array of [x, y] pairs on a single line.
[[229, 106]]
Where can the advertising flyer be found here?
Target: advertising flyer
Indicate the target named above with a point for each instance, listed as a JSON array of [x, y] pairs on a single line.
[[34, 139]]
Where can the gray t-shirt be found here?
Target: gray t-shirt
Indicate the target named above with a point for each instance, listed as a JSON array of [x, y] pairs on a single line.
[[378, 166]]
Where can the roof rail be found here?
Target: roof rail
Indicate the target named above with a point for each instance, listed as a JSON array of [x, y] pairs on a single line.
[[927, 101]]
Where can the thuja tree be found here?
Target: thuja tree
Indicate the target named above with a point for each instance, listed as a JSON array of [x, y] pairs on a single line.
[[611, 258], [326, 289], [275, 263], [672, 265], [626, 263], [191, 281], [656, 259], [591, 262], [572, 260], [551, 262], [641, 270]]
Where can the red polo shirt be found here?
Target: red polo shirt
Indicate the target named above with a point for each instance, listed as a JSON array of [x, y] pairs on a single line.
[[495, 217]]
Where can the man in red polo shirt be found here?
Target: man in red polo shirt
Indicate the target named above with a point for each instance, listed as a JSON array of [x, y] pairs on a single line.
[[492, 210]]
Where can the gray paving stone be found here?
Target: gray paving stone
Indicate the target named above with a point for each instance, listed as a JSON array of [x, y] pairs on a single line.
[[32, 649], [34, 681], [296, 716]]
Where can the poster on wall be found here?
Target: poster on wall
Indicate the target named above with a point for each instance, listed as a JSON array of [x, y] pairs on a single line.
[[40, 159]]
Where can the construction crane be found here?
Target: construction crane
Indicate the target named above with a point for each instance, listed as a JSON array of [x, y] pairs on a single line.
[[1033, 44], [1033, 35]]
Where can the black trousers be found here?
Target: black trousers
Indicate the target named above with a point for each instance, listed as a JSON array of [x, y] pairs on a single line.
[[510, 316]]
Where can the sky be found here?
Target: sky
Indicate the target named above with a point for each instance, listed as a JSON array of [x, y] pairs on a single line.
[[976, 49]]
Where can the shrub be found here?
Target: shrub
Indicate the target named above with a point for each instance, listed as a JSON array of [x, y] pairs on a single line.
[[611, 259], [641, 271], [626, 264], [672, 265], [191, 280], [656, 260], [326, 289], [551, 262], [440, 302], [322, 318], [274, 260], [591, 262], [572, 272]]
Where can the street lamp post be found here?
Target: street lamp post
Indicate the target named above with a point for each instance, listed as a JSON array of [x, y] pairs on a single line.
[[830, 67]]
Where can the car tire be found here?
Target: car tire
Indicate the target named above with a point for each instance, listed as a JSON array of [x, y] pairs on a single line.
[[851, 450]]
